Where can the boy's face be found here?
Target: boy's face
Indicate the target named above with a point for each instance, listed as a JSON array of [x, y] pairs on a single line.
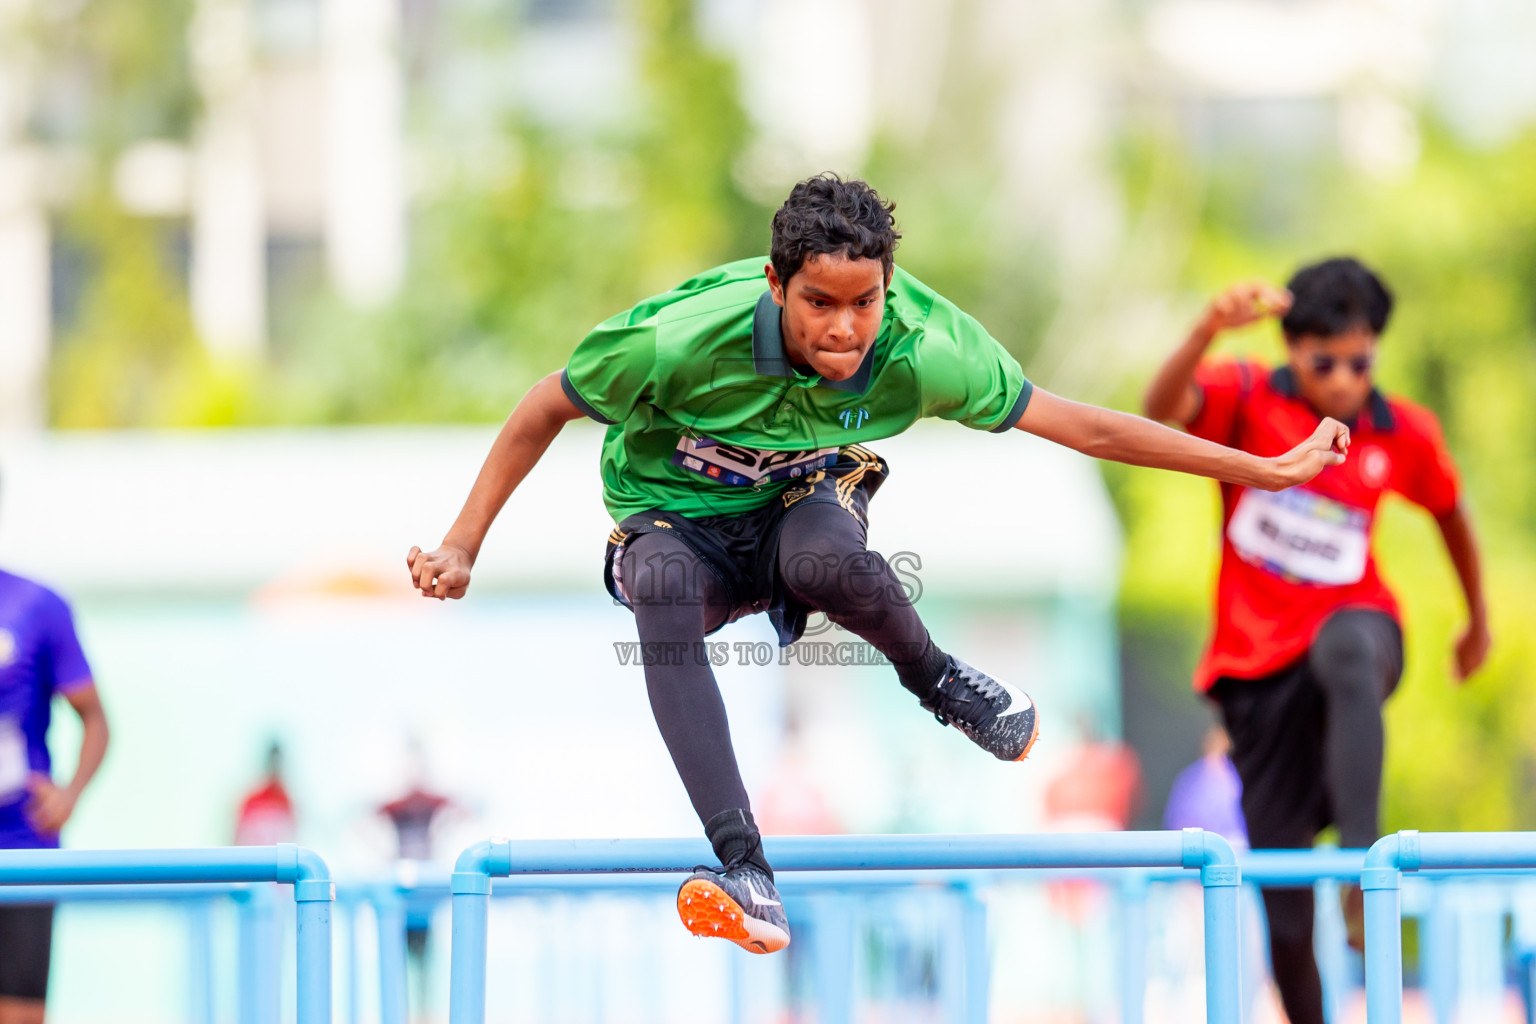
[[1334, 373], [832, 310]]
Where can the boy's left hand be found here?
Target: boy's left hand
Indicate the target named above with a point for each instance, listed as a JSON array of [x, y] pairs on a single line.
[[1471, 651], [50, 806]]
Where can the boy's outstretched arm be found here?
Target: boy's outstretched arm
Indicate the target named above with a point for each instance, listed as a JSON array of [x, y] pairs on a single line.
[[1173, 396], [523, 439], [1121, 437], [1461, 544]]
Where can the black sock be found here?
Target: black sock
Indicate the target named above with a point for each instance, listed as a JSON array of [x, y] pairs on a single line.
[[923, 674], [735, 838]]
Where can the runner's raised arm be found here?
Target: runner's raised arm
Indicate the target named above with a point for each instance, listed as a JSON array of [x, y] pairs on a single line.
[[1173, 396], [523, 440]]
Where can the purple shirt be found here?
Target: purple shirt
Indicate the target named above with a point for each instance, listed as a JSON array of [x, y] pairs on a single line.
[[39, 657], [1209, 795]]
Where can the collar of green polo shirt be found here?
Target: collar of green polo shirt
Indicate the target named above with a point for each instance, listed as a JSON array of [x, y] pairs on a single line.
[[709, 414]]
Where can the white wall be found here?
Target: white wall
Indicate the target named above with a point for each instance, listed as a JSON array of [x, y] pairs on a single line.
[[233, 511]]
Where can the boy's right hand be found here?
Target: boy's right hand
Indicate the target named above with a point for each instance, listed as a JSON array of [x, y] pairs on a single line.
[[1328, 446], [1243, 304], [441, 574]]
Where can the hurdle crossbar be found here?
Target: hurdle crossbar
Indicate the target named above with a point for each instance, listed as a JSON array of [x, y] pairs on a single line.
[[1192, 849], [286, 863]]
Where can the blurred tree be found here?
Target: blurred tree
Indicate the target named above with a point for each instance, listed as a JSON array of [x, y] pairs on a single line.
[[511, 272], [112, 74], [132, 358]]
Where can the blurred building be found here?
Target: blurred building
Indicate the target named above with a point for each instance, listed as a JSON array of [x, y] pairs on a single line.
[[321, 124]]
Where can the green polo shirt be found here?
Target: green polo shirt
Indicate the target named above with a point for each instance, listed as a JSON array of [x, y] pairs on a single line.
[[707, 416]]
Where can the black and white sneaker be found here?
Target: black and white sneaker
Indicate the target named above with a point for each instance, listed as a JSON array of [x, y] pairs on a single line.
[[998, 718], [738, 903]]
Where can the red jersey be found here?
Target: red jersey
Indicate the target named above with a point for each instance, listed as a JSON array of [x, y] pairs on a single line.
[[1290, 559]]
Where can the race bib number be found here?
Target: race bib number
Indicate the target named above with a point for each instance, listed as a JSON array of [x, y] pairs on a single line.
[[14, 764], [747, 467], [1301, 535]]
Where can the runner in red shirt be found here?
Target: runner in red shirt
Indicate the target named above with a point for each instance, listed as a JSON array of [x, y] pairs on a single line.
[[266, 813], [1307, 644]]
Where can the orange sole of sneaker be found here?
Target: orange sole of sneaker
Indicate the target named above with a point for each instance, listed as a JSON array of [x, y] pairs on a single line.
[[709, 913], [1028, 747]]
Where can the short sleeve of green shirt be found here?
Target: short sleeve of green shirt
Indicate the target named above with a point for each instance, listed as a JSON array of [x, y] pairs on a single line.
[[612, 370], [966, 375]]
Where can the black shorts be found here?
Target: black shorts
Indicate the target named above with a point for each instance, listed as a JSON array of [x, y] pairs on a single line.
[[26, 943], [1277, 724], [742, 550]]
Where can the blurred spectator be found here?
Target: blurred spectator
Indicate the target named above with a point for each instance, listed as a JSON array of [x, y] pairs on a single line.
[[266, 814], [40, 657], [1208, 793], [795, 801], [413, 814], [1097, 790]]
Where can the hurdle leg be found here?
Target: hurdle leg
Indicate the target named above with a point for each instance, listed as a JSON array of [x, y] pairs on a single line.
[[314, 944], [200, 969], [1223, 937], [1437, 953], [394, 1002], [259, 975], [1383, 945], [467, 964], [1330, 947], [836, 937], [354, 915], [1133, 947], [978, 957]]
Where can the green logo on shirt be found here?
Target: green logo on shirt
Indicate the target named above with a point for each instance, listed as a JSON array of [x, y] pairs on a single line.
[[853, 419]]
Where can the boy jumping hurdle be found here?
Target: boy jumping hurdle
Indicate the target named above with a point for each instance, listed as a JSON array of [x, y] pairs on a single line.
[[738, 408]]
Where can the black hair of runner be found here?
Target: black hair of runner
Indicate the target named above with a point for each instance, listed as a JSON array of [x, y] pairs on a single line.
[[826, 215], [1336, 296]]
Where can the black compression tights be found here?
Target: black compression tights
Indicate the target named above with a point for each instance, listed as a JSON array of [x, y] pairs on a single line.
[[1354, 662], [677, 600]]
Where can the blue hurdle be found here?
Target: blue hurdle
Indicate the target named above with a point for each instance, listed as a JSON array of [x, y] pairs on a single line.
[[965, 995], [1191, 849], [1267, 869], [313, 891], [1382, 880], [198, 899]]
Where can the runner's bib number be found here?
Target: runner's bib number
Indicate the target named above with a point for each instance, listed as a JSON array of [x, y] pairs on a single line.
[[747, 467], [1301, 535]]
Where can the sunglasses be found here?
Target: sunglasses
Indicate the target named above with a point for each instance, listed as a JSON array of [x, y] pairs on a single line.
[[1323, 366]]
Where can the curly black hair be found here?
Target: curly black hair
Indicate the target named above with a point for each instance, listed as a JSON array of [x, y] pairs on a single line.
[[826, 215], [1335, 296]]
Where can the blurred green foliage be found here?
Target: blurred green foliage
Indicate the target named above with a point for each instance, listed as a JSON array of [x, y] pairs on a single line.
[[508, 274], [510, 267], [132, 357], [508, 271], [110, 74]]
